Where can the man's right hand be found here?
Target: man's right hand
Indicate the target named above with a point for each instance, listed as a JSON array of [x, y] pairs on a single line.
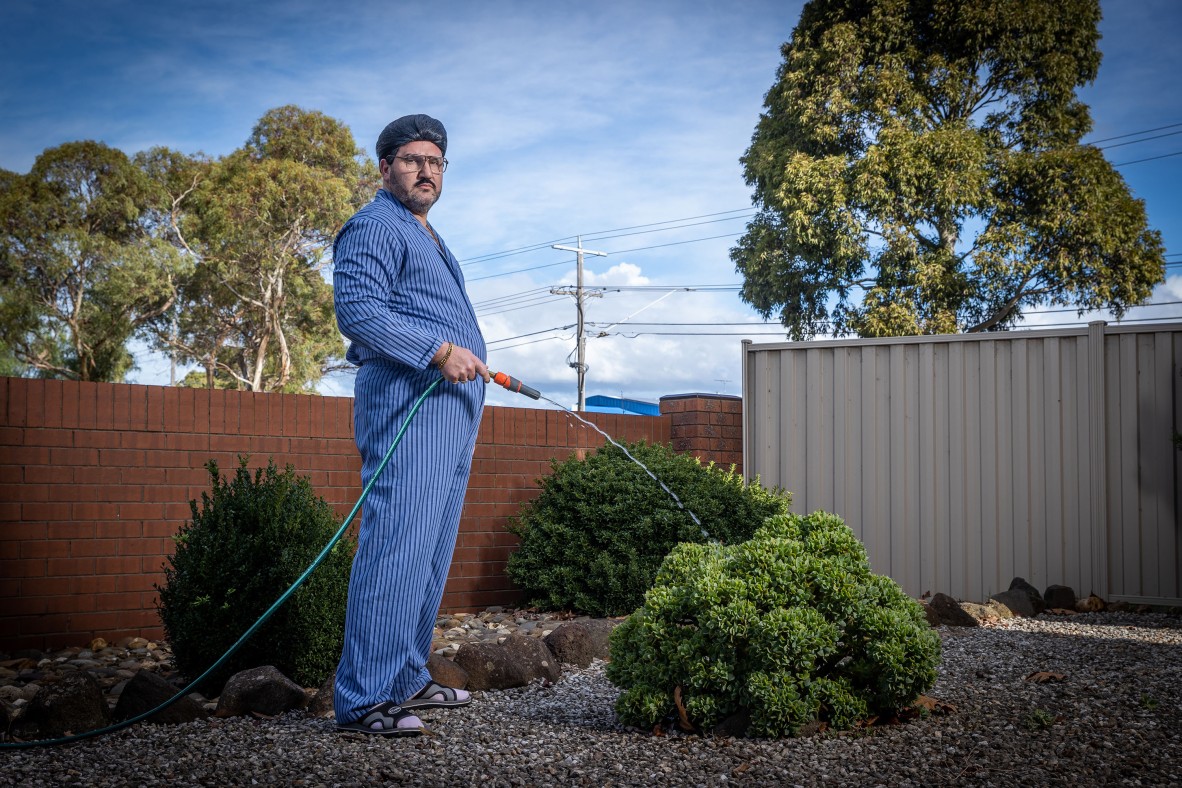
[[462, 365]]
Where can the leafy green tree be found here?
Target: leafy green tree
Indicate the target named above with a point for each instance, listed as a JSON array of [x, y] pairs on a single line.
[[257, 312], [79, 273], [918, 169]]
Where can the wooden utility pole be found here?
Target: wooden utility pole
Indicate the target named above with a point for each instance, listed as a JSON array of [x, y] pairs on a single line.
[[581, 364]]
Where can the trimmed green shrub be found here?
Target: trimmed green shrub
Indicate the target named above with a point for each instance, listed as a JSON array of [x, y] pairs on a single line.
[[787, 628], [592, 541], [250, 540]]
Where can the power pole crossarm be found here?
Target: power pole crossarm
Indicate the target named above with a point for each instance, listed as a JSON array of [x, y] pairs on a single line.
[[581, 365]]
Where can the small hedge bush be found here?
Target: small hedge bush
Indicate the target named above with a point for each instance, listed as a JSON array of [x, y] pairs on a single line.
[[592, 541], [250, 540], [787, 628]]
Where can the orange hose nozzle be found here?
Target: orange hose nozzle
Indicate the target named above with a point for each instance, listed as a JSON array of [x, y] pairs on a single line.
[[513, 384]]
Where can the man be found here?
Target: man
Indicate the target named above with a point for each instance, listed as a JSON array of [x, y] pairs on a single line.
[[400, 299]]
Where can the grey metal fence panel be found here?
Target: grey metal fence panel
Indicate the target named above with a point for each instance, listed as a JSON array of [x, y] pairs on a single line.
[[964, 461]]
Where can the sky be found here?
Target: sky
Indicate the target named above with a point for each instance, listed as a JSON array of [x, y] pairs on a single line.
[[620, 123]]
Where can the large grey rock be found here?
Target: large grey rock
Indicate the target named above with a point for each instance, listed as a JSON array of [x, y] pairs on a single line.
[[260, 690], [1036, 601], [1018, 601], [1062, 597], [580, 642], [145, 691], [950, 612], [446, 672], [514, 663], [72, 704]]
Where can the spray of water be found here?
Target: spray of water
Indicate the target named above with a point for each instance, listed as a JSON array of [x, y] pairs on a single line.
[[592, 425]]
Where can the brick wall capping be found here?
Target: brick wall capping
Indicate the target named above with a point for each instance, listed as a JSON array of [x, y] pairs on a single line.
[[675, 397]]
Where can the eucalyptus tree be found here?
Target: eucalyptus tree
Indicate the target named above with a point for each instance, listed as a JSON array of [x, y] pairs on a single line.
[[257, 312], [80, 273], [919, 169]]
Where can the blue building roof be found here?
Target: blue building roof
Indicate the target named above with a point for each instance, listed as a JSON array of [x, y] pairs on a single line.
[[598, 403]]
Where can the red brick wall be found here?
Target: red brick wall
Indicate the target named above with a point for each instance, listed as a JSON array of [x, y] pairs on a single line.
[[95, 478], [709, 426]]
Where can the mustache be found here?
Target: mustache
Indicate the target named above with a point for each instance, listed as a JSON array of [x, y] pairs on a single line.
[[421, 181]]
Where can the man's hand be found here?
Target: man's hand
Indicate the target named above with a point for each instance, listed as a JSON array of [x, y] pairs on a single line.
[[462, 365]]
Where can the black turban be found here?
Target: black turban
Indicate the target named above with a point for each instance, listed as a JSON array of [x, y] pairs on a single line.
[[411, 128]]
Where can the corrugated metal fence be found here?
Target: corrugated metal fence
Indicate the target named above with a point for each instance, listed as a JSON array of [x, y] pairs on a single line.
[[964, 461]]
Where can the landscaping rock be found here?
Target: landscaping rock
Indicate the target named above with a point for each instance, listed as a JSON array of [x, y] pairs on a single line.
[[580, 642], [1000, 610], [145, 691], [950, 612], [516, 662], [446, 672], [72, 704], [1062, 597], [322, 704], [982, 613], [932, 616], [260, 690], [1017, 601], [1036, 600], [735, 725]]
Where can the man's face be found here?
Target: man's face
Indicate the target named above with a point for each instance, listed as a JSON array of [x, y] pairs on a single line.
[[416, 188]]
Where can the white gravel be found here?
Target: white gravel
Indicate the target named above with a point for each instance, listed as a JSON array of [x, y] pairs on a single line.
[[1115, 718]]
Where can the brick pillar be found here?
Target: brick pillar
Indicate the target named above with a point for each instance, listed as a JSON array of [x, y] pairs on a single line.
[[709, 426]]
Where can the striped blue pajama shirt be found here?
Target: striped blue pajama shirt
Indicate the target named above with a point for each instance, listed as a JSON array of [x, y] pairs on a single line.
[[398, 297]]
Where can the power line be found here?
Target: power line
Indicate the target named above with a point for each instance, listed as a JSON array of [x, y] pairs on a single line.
[[531, 342], [530, 334], [1146, 139], [1151, 158], [512, 296], [674, 243], [688, 288], [659, 323], [1134, 133], [676, 227], [631, 335], [532, 247], [519, 308], [617, 251], [518, 271]]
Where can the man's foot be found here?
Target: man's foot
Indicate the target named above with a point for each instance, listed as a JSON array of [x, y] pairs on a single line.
[[385, 719], [437, 696]]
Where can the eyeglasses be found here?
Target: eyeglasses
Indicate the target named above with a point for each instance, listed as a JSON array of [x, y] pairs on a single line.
[[436, 164]]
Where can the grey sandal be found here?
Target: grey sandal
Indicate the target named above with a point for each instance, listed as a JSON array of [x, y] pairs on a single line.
[[436, 696], [385, 719]]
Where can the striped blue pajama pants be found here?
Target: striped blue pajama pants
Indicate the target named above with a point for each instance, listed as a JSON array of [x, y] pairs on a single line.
[[408, 529]]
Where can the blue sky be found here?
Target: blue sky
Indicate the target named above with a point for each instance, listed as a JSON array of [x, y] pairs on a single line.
[[564, 119]]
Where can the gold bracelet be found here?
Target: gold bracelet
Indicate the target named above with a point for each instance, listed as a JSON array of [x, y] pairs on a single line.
[[446, 356]]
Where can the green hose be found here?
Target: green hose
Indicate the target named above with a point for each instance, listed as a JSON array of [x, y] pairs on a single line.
[[262, 619]]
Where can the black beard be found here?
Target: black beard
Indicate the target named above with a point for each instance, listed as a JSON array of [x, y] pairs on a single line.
[[417, 202]]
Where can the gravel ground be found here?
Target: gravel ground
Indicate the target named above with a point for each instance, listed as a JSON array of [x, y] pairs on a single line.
[[1114, 718]]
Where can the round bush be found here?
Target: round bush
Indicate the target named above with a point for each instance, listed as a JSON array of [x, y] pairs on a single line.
[[593, 539], [250, 540], [787, 628]]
